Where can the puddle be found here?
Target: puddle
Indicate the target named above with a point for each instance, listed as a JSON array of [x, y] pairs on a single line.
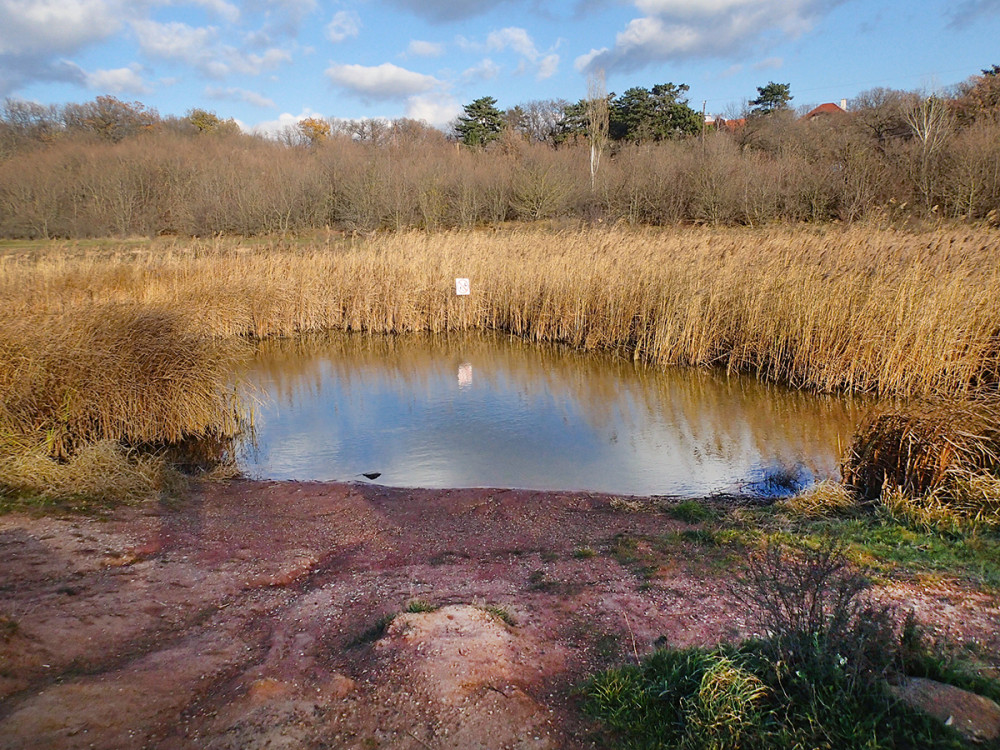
[[490, 411]]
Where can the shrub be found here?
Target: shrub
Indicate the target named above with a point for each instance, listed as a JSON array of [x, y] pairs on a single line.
[[809, 605]]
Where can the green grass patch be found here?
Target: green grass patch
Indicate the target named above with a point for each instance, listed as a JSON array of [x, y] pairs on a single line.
[[500, 613], [624, 549], [729, 697], [881, 544], [888, 547], [692, 511]]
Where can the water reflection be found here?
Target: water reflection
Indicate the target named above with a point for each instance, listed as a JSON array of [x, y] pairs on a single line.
[[488, 411]]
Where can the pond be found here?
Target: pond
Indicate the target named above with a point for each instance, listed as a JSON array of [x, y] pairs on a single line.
[[491, 411]]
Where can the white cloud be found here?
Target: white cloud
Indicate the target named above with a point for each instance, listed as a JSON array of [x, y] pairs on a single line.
[[435, 109], [515, 38], [53, 27], [484, 71], [683, 29], [692, 8], [345, 24], [196, 46], [385, 81], [518, 41], [769, 63], [238, 94], [548, 67], [584, 61], [174, 40], [119, 80], [287, 15], [255, 64], [226, 11], [285, 120], [425, 49], [447, 10]]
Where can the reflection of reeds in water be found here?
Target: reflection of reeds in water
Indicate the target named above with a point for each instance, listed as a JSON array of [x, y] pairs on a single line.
[[708, 412]]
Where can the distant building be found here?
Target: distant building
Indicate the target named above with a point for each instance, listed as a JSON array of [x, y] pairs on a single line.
[[720, 123], [826, 110]]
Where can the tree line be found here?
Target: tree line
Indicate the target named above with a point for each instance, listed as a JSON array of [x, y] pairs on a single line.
[[110, 167], [638, 115]]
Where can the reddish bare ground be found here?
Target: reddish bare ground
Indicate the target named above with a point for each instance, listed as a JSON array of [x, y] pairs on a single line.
[[253, 615]]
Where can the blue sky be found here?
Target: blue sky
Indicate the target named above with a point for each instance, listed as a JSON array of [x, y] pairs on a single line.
[[268, 63]]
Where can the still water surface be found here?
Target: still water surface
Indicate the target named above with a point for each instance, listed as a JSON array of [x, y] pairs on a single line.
[[489, 411]]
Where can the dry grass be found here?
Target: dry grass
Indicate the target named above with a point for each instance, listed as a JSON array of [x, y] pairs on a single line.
[[926, 448], [826, 498], [963, 509], [102, 472], [123, 341]]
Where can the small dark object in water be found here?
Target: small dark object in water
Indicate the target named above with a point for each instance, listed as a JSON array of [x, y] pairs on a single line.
[[372, 474]]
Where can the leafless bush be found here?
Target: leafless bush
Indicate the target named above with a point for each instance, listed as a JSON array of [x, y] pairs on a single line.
[[810, 604]]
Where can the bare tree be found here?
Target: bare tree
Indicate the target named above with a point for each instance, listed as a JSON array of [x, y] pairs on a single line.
[[597, 122], [931, 123], [540, 118], [880, 113]]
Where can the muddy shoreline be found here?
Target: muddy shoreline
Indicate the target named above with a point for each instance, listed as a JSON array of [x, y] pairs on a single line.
[[260, 614]]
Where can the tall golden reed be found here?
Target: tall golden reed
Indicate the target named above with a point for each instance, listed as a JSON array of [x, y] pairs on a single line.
[[855, 309]]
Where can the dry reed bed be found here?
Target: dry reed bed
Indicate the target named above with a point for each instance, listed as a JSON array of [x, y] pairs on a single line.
[[136, 341], [857, 309]]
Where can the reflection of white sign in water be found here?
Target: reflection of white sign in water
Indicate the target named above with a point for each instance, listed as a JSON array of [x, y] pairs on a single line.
[[462, 287], [465, 375]]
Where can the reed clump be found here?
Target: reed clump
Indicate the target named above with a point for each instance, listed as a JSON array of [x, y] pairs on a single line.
[[100, 472], [88, 384], [119, 372], [935, 465]]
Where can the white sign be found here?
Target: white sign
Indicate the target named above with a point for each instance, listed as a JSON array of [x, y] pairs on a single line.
[[462, 287]]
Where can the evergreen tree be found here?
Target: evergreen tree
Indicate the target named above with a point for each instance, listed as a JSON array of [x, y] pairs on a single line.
[[481, 123], [773, 97], [642, 114]]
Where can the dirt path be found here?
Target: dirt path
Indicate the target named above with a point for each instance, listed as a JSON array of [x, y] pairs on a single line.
[[258, 615]]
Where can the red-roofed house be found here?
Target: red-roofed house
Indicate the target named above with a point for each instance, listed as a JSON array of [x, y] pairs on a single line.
[[824, 110]]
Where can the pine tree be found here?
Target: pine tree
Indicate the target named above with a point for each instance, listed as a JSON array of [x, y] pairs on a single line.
[[773, 97], [481, 123]]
